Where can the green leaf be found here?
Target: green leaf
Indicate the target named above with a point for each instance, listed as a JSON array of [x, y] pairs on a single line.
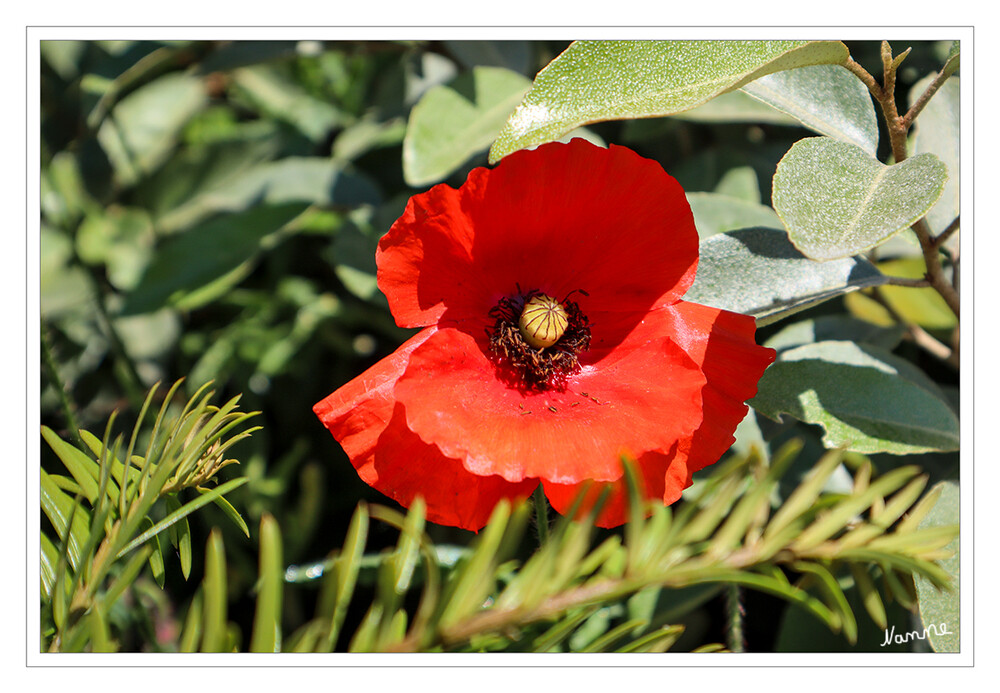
[[339, 586], [64, 287], [121, 238], [144, 127], [836, 599], [939, 610], [366, 134], [717, 213], [100, 635], [475, 579], [180, 536], [49, 554], [276, 95], [836, 327], [660, 640], [183, 188], [550, 639], [191, 633], [64, 196], [804, 496], [937, 132], [736, 107], [83, 469], [63, 56], [451, 123], [96, 445], [869, 595], [866, 400], [182, 512], [58, 507], [267, 617], [156, 557], [129, 572], [311, 180], [837, 200], [741, 182], [825, 98], [952, 62], [214, 590], [231, 512], [799, 632], [604, 642], [758, 272], [594, 81], [220, 248], [149, 336]]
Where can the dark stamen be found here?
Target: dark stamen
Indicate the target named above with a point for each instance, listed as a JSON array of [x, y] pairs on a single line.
[[530, 368]]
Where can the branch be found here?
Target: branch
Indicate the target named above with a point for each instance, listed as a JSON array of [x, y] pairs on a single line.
[[919, 335], [939, 79], [940, 239], [898, 127], [935, 273], [865, 77]]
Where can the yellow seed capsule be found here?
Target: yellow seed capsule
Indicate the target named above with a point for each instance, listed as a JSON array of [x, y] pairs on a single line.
[[543, 321]]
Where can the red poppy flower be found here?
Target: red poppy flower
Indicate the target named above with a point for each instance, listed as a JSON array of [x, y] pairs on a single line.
[[554, 341]]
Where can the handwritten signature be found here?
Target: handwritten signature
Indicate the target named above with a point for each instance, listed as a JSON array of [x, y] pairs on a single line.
[[891, 636]]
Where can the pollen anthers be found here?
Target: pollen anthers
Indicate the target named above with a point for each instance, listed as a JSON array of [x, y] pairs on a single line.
[[536, 339]]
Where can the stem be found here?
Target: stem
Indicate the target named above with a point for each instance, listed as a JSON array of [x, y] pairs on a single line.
[[541, 515], [735, 638], [906, 281], [935, 273], [898, 127], [918, 105], [897, 131], [865, 77], [940, 239]]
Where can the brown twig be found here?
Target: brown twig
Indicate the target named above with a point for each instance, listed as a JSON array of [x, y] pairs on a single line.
[[940, 239], [907, 281], [898, 127], [918, 105], [935, 273], [865, 77], [897, 132], [919, 335]]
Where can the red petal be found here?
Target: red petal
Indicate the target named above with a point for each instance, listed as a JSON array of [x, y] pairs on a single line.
[[365, 418], [643, 395], [653, 468], [723, 343], [559, 218]]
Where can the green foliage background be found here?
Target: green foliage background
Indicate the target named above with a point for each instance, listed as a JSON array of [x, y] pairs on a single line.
[[210, 212]]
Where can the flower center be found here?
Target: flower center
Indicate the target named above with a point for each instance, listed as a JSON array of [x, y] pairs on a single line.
[[543, 321], [536, 339]]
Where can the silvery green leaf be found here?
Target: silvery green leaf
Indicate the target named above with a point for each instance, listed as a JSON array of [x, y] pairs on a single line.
[[758, 272], [826, 99], [866, 399], [837, 200], [594, 81]]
